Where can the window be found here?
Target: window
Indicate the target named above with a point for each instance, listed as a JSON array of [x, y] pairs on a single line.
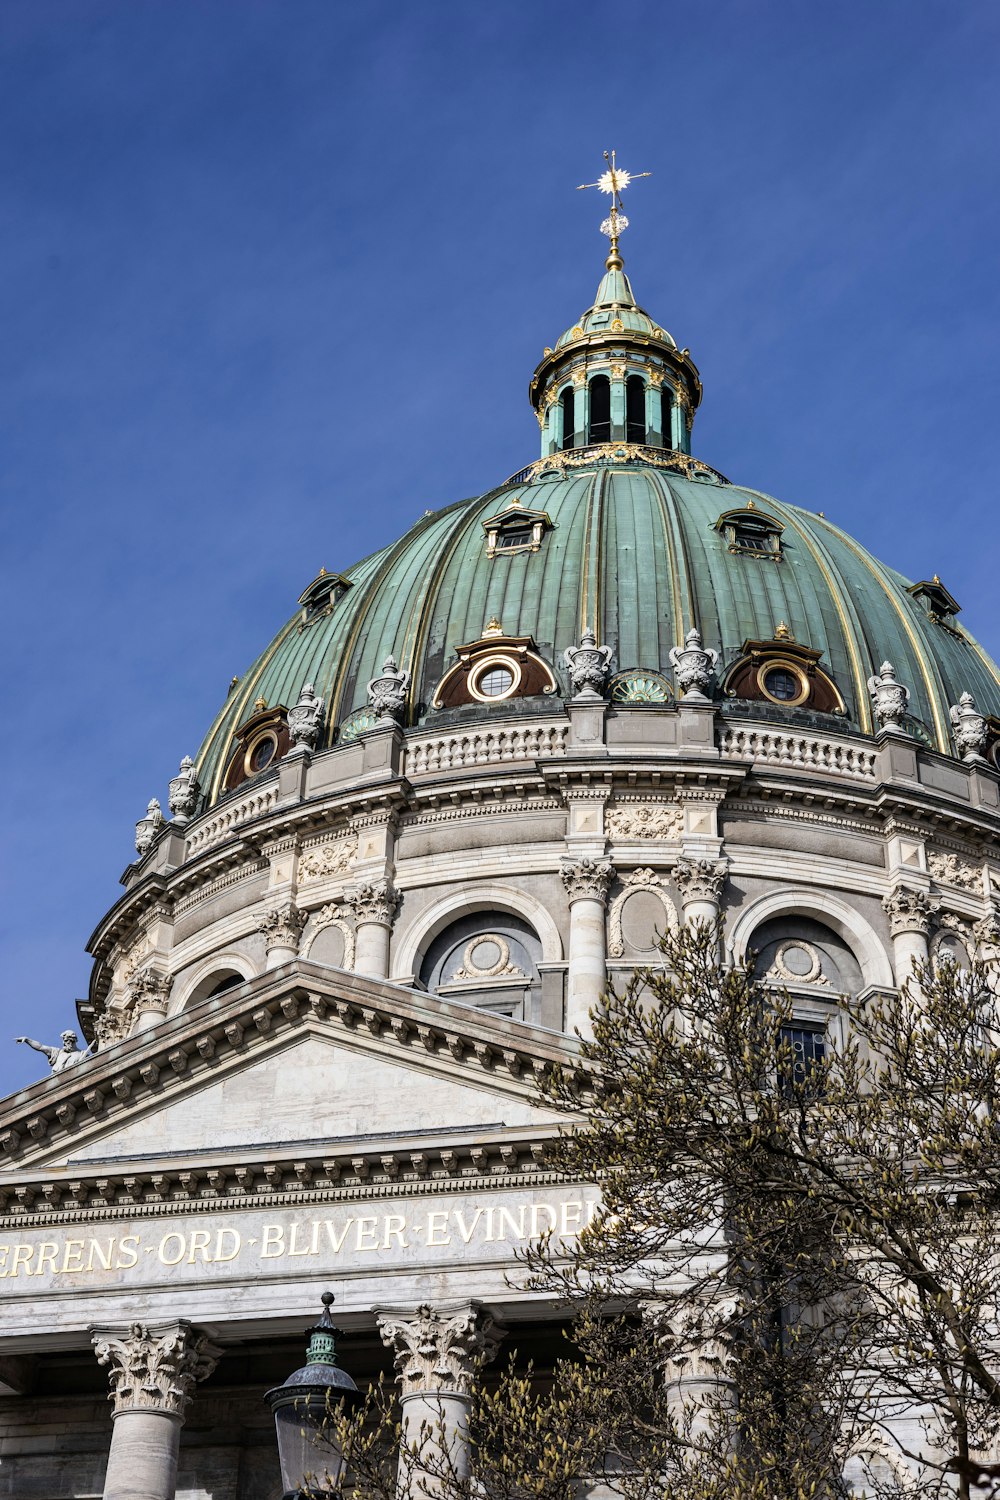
[[635, 409], [782, 684], [803, 1047], [751, 532], [495, 678], [666, 417], [513, 537], [495, 682], [568, 399], [600, 410]]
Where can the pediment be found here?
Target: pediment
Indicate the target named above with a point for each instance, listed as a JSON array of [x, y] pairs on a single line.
[[304, 1060], [303, 1091]]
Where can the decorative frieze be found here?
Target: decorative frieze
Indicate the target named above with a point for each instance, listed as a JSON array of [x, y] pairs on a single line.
[[587, 879], [657, 820], [319, 863], [439, 1351], [908, 911], [955, 869], [154, 1367]]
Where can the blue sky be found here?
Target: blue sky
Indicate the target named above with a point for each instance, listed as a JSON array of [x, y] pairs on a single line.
[[274, 275]]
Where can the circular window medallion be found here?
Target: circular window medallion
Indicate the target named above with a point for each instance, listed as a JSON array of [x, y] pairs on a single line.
[[640, 687], [494, 679], [260, 753], [486, 956], [783, 682], [798, 962]]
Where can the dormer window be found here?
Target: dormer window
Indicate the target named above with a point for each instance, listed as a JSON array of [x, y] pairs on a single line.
[[783, 673], [322, 594], [932, 595], [515, 530], [751, 532], [494, 669]]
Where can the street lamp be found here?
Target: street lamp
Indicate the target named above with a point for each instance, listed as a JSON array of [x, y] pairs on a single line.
[[304, 1406]]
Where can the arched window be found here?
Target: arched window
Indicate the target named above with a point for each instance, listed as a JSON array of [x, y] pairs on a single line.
[[487, 958], [635, 409], [666, 416], [568, 399], [600, 410]]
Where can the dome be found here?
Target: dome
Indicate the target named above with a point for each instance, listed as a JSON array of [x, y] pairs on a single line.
[[614, 303], [637, 546]]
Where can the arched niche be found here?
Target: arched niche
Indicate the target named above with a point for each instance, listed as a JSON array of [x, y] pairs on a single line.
[[801, 953], [487, 895], [638, 914], [216, 975], [858, 934], [329, 939], [487, 958]]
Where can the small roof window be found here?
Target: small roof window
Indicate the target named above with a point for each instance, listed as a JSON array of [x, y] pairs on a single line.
[[515, 529], [322, 594], [936, 600], [751, 531]]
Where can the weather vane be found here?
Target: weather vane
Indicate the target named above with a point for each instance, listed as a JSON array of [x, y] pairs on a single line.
[[614, 182]]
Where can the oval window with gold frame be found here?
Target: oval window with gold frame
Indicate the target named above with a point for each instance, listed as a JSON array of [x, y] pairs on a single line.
[[783, 682], [260, 752], [495, 678]]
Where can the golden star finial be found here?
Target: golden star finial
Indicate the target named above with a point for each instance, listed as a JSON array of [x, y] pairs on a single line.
[[614, 182]]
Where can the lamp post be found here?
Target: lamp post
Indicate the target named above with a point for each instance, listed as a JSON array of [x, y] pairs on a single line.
[[303, 1407]]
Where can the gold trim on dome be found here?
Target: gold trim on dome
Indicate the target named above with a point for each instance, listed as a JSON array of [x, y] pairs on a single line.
[[584, 458]]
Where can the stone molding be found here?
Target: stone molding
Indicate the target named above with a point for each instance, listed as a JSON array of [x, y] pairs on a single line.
[[700, 879], [587, 879], [282, 926], [635, 880], [908, 911], [331, 916], [439, 1350], [154, 1367], [373, 901]]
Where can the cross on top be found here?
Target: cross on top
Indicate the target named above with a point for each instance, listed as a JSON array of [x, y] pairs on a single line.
[[613, 182]]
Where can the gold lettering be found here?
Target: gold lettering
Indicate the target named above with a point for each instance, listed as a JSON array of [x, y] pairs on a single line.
[[274, 1235], [199, 1241], [467, 1230], [22, 1257], [127, 1245], [293, 1241], [104, 1256], [516, 1226], [4, 1252], [72, 1248], [172, 1260], [435, 1228], [366, 1227], [395, 1229], [237, 1242], [565, 1226], [336, 1241], [46, 1257]]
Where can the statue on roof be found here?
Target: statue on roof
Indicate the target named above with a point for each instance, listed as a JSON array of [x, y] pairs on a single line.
[[60, 1058]]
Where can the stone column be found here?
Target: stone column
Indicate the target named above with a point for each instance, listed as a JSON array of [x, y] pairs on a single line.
[[374, 903], [695, 1365], [438, 1352], [586, 882], [909, 913], [153, 1370], [150, 993], [282, 926], [617, 373]]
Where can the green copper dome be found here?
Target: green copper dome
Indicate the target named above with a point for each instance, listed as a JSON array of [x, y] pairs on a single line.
[[638, 546], [613, 304]]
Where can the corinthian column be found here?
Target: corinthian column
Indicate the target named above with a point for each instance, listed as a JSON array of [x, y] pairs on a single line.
[[586, 882], [153, 1370], [909, 912], [374, 903], [699, 884], [282, 927], [438, 1352]]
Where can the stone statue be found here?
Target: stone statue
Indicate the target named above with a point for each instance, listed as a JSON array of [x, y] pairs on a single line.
[[305, 720], [148, 827], [889, 698], [969, 728], [588, 666], [60, 1058], [387, 692], [184, 791], [693, 665]]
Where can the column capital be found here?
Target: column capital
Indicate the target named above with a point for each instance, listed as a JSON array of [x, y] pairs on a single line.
[[908, 910], [700, 879], [587, 879], [282, 926], [154, 1366], [373, 901], [439, 1349]]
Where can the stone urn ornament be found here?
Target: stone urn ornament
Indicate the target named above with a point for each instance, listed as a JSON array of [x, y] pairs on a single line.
[[387, 693], [589, 666], [183, 792], [889, 698], [148, 827], [693, 665], [305, 720], [970, 730]]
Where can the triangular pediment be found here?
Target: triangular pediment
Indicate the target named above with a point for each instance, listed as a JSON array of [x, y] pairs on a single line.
[[304, 1061], [304, 1091]]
